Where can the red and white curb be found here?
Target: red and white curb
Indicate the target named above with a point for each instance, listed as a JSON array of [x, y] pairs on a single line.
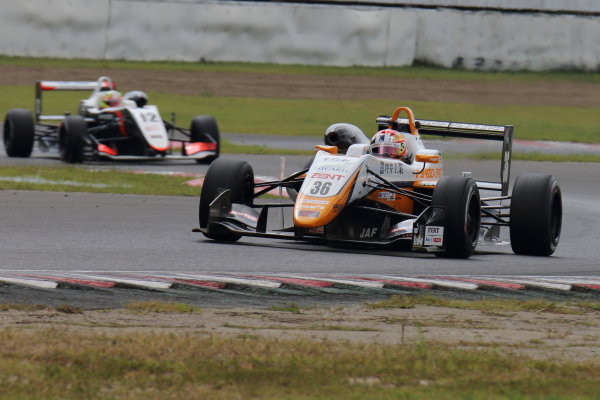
[[297, 283]]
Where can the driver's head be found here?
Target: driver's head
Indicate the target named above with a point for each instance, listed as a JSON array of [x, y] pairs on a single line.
[[111, 98], [389, 143]]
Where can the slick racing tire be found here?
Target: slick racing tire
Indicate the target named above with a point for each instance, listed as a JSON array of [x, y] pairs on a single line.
[[204, 128], [18, 133], [535, 215], [459, 197], [72, 139], [235, 175]]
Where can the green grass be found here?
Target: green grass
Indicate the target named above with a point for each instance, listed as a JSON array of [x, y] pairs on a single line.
[[162, 307], [74, 364], [489, 304], [77, 179], [421, 71], [310, 117]]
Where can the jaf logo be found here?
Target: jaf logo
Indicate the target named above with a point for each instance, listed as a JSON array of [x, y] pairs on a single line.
[[368, 233]]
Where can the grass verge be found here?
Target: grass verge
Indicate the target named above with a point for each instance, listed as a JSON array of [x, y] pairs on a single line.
[[420, 71], [77, 179], [310, 117], [73, 364], [490, 305]]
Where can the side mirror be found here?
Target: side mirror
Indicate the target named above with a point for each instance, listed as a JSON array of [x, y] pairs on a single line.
[[428, 158]]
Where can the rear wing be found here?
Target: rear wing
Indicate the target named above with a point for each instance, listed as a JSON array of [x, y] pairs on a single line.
[[501, 133], [45, 86]]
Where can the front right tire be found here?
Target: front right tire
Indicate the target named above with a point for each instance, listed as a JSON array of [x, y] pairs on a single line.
[[234, 175], [72, 139], [459, 197]]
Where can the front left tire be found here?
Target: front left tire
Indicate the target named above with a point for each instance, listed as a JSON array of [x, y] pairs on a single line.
[[18, 133]]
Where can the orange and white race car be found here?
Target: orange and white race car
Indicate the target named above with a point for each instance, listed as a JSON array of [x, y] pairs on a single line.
[[353, 192]]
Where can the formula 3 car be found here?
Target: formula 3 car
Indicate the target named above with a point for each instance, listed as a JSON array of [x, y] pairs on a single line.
[[133, 130], [349, 196]]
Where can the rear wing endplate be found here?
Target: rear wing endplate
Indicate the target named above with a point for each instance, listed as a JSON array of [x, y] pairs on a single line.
[[501, 133], [44, 86]]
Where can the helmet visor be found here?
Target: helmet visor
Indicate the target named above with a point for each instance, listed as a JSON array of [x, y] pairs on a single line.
[[387, 150]]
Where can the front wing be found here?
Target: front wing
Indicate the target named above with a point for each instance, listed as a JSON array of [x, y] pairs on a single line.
[[425, 234]]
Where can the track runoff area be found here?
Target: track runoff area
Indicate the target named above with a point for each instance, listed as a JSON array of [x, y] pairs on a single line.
[[213, 288]]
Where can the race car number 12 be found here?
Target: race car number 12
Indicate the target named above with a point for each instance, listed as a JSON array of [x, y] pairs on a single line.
[[321, 188]]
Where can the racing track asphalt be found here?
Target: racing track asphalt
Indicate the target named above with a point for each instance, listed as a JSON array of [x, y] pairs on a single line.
[[81, 231]]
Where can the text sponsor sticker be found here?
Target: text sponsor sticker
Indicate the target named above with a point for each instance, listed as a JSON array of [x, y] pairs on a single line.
[[434, 235]]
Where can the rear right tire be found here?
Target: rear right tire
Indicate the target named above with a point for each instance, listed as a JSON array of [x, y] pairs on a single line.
[[535, 215], [204, 128], [18, 133]]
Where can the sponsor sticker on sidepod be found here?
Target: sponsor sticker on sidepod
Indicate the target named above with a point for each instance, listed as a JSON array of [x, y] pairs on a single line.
[[434, 235]]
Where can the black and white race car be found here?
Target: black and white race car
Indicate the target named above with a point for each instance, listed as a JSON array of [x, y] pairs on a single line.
[[107, 126]]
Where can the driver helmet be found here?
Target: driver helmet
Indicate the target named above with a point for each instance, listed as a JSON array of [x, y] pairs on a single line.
[[389, 143], [140, 98], [111, 98], [105, 84]]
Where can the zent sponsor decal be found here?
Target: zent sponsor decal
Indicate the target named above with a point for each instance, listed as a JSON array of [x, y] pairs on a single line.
[[320, 175]]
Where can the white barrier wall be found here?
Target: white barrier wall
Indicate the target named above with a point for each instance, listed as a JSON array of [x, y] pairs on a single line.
[[194, 30]]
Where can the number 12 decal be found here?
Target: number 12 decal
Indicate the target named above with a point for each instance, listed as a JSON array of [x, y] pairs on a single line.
[[149, 117]]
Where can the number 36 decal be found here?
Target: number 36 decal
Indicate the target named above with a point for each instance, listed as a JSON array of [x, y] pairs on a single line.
[[320, 187]]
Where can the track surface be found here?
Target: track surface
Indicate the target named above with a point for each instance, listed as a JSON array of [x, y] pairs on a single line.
[[75, 231]]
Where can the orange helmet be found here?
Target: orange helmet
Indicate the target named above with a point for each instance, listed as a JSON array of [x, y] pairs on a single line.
[[390, 143]]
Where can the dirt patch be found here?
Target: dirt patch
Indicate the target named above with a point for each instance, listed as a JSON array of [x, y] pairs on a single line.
[[540, 335], [287, 86]]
